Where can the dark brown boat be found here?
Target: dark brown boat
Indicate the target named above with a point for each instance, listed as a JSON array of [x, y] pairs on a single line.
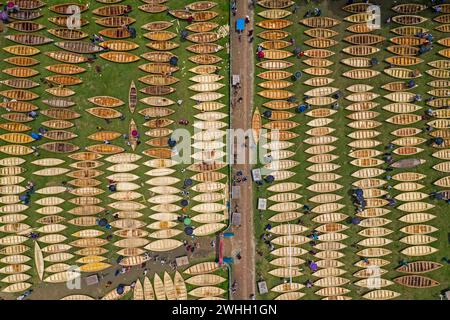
[[416, 281], [25, 15]]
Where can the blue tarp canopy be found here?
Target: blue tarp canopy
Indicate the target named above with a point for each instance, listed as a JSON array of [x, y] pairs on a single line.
[[240, 24]]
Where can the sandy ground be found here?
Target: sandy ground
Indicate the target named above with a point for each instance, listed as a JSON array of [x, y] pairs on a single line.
[[243, 241]]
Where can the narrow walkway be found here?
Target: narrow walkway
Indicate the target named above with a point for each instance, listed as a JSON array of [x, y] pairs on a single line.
[[243, 241]]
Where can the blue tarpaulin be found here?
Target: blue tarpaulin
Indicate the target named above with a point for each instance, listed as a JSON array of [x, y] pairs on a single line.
[[240, 24]]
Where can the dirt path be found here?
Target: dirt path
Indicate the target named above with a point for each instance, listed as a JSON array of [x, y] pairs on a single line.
[[243, 241]]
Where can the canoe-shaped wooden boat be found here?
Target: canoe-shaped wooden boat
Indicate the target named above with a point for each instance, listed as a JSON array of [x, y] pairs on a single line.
[[68, 34], [106, 101], [62, 21], [416, 281], [158, 56], [320, 22], [409, 8], [119, 57], [21, 61], [153, 7], [115, 21], [20, 84], [66, 57], [204, 48], [402, 73], [22, 50], [202, 37], [158, 80], [20, 72], [381, 294], [361, 50], [202, 26], [112, 10], [104, 113], [358, 7], [65, 68], [115, 33], [443, 28], [362, 28], [79, 46], [61, 114], [361, 74], [68, 8], [419, 267], [364, 39], [445, 18], [408, 41], [29, 39], [26, 26], [205, 59], [409, 19]]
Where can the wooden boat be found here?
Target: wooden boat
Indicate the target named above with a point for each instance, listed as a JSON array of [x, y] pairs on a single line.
[[409, 8], [381, 294], [115, 21], [66, 57], [79, 46], [364, 39], [112, 10], [29, 39], [445, 18], [320, 22], [106, 101], [119, 57], [68, 34], [361, 50], [202, 26], [153, 7], [358, 7], [416, 281], [22, 50], [409, 19]]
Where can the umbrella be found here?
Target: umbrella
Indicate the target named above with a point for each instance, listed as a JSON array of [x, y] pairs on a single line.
[[134, 133], [297, 75], [313, 266], [439, 141], [188, 182], [120, 289], [187, 221], [301, 108], [359, 192], [102, 222], [184, 203], [267, 113], [189, 231], [35, 136], [270, 178], [356, 220], [171, 143], [173, 61]]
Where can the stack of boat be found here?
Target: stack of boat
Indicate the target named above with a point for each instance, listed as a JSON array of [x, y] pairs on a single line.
[[162, 289], [126, 206], [209, 210], [15, 140], [415, 222], [206, 282], [441, 94], [159, 68], [364, 152], [114, 17], [12, 227], [412, 202], [321, 97], [284, 194]]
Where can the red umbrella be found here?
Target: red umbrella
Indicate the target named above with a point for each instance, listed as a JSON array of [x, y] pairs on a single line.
[[134, 133]]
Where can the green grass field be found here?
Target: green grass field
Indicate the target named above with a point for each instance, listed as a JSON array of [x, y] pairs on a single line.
[[113, 80], [333, 9]]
